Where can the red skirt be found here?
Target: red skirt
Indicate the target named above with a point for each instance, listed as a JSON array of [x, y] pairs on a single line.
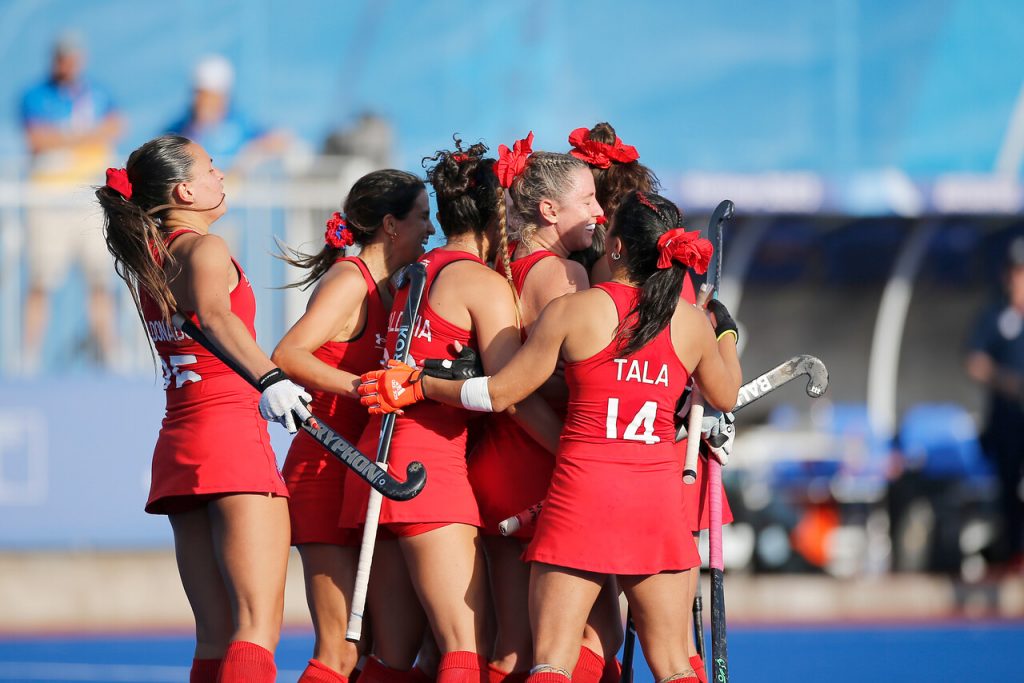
[[696, 509], [509, 472], [621, 516], [212, 441], [435, 435], [316, 483]]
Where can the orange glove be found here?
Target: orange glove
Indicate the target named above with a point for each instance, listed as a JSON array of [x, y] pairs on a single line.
[[388, 391]]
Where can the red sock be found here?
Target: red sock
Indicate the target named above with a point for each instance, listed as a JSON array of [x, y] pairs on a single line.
[[462, 667], [698, 668], [496, 675], [318, 672], [589, 667], [246, 662], [204, 671], [612, 671], [548, 677]]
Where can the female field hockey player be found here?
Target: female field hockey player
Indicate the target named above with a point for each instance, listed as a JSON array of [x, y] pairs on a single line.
[[464, 303], [214, 473], [618, 172], [340, 336]]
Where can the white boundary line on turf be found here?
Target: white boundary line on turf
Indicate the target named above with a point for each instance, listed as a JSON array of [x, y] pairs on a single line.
[[112, 673]]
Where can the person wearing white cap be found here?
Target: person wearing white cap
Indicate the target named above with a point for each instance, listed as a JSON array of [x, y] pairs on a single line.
[[71, 126], [214, 122]]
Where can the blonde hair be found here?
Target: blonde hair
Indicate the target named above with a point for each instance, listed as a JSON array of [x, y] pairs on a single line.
[[547, 176]]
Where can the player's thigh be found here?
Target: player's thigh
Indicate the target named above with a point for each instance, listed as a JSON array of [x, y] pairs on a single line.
[[329, 572], [397, 620]]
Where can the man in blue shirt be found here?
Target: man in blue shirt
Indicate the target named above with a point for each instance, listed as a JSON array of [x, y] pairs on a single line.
[[70, 128], [215, 123], [996, 360]]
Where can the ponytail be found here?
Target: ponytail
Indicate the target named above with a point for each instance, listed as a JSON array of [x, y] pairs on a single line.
[[372, 197], [640, 221]]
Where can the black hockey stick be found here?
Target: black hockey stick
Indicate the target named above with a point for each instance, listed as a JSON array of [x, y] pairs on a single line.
[[336, 445], [722, 213], [415, 277]]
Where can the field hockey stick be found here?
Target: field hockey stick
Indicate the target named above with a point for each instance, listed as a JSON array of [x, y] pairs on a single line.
[[818, 381], [526, 518], [754, 390], [334, 443], [415, 276], [722, 213], [698, 621]]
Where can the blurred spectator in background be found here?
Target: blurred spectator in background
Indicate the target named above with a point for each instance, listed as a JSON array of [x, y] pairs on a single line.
[[371, 138], [212, 120], [996, 360], [71, 126]]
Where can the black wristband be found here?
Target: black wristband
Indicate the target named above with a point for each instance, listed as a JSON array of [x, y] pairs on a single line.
[[724, 324], [273, 377], [465, 366]]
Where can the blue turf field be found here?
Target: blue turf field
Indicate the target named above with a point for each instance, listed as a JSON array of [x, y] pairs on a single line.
[[956, 651]]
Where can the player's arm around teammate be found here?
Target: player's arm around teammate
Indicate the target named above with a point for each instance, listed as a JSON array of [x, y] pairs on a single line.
[[214, 473], [341, 335], [606, 358]]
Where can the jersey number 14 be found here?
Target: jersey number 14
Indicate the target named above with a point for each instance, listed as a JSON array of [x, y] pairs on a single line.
[[640, 428]]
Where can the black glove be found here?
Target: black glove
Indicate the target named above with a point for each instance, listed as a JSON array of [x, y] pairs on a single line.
[[465, 366], [724, 324]]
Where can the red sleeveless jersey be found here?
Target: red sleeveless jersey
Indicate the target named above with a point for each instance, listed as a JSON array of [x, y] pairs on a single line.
[[183, 360], [625, 401], [432, 433], [315, 478], [615, 503], [363, 353], [510, 471], [212, 439]]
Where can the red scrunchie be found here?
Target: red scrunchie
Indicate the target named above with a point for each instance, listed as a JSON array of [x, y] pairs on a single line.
[[511, 162], [338, 235], [600, 154], [687, 248], [117, 180]]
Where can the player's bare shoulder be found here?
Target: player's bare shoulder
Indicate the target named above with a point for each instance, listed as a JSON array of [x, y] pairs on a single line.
[[342, 277], [559, 275], [201, 250]]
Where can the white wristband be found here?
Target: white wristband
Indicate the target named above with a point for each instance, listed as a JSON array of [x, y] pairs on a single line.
[[475, 395]]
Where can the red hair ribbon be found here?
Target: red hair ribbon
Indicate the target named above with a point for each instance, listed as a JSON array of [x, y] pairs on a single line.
[[117, 180], [511, 162], [601, 220], [687, 248], [460, 158], [600, 154], [338, 235]]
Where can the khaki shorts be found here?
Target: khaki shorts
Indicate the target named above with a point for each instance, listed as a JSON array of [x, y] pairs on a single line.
[[57, 237]]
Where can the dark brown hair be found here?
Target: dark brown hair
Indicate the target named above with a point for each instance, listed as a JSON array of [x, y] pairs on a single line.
[[133, 227], [372, 197], [469, 197], [642, 218]]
